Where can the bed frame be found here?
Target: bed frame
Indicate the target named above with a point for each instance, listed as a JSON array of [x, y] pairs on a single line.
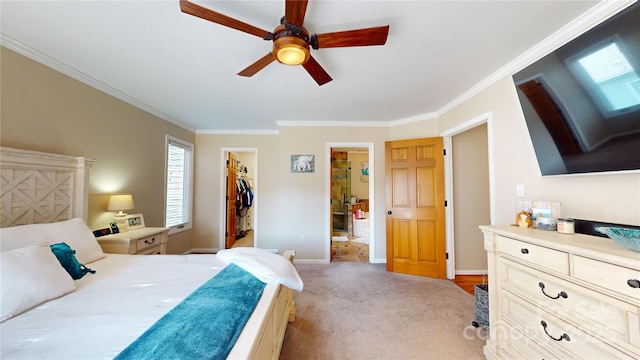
[[38, 187]]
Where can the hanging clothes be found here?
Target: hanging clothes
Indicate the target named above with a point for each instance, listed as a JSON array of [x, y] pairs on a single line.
[[244, 196]]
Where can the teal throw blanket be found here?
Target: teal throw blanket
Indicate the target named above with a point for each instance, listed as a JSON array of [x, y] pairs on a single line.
[[206, 324]]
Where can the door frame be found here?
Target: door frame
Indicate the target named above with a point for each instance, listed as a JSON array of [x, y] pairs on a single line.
[[448, 181], [328, 223], [223, 192]]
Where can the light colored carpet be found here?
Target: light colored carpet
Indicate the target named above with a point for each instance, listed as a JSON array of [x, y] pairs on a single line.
[[352, 310], [339, 238]]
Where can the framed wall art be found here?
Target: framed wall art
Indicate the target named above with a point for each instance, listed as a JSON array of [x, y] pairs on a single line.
[[303, 163]]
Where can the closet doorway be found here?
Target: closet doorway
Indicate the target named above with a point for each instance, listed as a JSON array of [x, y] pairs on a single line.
[[470, 188], [240, 188], [350, 198]]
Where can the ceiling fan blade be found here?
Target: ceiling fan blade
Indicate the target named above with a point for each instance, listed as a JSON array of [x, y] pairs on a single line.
[[224, 20], [360, 37], [252, 69], [316, 71], [294, 11]]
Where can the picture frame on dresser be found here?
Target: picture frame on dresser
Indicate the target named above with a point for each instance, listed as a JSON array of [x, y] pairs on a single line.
[[135, 221]]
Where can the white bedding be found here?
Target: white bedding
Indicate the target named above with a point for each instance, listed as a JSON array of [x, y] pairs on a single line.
[[109, 309]]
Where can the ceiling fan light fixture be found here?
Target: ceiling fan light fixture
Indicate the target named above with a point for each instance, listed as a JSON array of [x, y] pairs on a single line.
[[291, 50]]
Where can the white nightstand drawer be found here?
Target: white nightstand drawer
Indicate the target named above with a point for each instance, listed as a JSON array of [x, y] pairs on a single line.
[[538, 255], [156, 250], [149, 241], [609, 276], [145, 240]]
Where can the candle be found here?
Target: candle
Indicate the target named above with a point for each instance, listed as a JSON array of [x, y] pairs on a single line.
[[566, 226]]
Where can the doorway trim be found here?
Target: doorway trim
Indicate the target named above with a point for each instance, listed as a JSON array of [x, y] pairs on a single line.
[[223, 192], [372, 172], [448, 181]]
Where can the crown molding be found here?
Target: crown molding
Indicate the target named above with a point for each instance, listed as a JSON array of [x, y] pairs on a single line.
[[56, 65], [237, 132], [592, 17], [333, 123]]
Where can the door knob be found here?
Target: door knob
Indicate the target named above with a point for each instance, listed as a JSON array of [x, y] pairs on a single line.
[[389, 212]]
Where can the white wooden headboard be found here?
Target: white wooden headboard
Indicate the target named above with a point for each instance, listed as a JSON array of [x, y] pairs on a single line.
[[38, 187]]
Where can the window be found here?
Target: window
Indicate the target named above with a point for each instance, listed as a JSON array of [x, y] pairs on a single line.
[[611, 78], [179, 184]]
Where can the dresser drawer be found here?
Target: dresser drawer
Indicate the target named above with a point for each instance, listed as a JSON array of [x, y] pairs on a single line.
[[591, 311], [609, 276], [555, 260], [156, 250], [517, 345], [147, 242], [553, 334]]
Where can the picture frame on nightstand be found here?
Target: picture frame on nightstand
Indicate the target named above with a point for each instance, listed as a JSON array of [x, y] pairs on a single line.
[[135, 221]]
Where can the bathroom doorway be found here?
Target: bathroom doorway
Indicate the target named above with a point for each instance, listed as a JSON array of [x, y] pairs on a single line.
[[350, 236]]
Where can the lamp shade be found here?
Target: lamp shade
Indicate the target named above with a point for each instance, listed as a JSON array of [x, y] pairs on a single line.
[[290, 50], [120, 202]]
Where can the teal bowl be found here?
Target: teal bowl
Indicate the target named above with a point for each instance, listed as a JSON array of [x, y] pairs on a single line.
[[629, 238]]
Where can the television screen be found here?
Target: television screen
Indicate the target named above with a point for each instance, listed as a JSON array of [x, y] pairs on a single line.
[[582, 102]]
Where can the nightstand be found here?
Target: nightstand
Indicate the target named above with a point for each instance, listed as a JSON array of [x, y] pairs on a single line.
[[144, 241]]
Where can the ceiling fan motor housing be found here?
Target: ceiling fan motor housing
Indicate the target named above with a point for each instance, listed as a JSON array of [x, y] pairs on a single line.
[[291, 47]]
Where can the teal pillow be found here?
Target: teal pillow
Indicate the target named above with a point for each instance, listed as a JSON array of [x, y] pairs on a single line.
[[68, 260]]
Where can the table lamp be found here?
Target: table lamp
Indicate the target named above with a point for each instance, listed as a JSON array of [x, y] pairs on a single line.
[[120, 203]]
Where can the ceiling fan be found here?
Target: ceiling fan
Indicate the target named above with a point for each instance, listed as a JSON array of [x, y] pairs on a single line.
[[291, 41]]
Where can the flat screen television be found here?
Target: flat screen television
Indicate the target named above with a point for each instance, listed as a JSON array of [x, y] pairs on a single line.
[[582, 102]]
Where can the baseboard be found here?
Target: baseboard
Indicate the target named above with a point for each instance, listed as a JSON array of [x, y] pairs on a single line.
[[202, 251], [472, 272], [310, 261]]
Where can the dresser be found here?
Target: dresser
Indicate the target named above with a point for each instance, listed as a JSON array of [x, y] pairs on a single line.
[[143, 241], [560, 296]]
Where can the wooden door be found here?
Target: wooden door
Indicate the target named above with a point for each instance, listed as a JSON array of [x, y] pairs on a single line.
[[416, 242], [230, 230]]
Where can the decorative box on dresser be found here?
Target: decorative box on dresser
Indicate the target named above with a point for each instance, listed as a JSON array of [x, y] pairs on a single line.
[[143, 241], [561, 296]]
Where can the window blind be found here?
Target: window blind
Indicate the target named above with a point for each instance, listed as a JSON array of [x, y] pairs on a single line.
[[178, 180]]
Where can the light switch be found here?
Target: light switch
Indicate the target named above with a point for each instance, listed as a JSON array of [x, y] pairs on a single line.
[[519, 190]]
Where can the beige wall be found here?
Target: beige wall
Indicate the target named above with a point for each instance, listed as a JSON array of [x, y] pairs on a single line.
[[45, 110], [420, 129], [288, 205]]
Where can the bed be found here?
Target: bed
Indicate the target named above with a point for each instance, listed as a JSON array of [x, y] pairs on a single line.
[[47, 314]]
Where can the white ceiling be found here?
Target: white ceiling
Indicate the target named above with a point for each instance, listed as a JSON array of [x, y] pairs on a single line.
[[183, 68]]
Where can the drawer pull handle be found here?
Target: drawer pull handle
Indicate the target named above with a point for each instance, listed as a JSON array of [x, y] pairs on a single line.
[[149, 242], [634, 283], [560, 294], [562, 337], [524, 250]]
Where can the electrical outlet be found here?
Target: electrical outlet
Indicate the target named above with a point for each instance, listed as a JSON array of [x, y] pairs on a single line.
[[301, 238], [519, 190]]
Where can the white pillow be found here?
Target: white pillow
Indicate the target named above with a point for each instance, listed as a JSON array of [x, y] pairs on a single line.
[[264, 265], [30, 276], [19, 236], [77, 235]]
